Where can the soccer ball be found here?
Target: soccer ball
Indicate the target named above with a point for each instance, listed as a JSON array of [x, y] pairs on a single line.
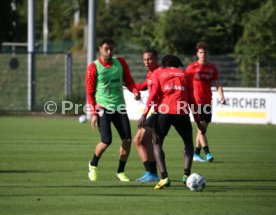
[[196, 182], [82, 119]]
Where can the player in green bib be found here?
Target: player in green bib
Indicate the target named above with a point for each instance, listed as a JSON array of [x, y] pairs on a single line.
[[109, 91], [105, 78]]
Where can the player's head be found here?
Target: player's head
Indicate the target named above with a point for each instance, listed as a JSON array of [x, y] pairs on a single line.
[[106, 49], [202, 45], [150, 59], [171, 61], [202, 52]]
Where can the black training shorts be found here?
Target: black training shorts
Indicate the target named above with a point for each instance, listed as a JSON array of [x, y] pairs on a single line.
[[150, 120], [205, 112], [119, 120], [182, 124]]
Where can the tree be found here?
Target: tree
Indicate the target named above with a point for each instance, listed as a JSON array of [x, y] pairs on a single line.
[[216, 22], [125, 22], [258, 44]]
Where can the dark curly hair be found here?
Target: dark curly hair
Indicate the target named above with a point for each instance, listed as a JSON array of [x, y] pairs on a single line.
[[107, 40], [171, 61]]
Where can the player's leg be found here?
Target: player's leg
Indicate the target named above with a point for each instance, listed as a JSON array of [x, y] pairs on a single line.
[[122, 125], [104, 126], [183, 126], [160, 130], [147, 142], [147, 139], [201, 139], [206, 117], [205, 145], [141, 149], [143, 144], [142, 152], [201, 142], [197, 156]]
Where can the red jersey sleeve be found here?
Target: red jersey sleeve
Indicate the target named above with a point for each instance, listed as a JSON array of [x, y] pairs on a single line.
[[128, 80], [146, 85], [192, 102], [153, 93], [189, 70], [190, 86], [90, 80], [141, 85]]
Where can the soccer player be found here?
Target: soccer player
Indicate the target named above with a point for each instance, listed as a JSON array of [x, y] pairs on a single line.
[[174, 90], [203, 74], [143, 137], [104, 90]]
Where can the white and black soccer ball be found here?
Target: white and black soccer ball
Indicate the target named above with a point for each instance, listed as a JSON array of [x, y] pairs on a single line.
[[196, 182], [82, 118]]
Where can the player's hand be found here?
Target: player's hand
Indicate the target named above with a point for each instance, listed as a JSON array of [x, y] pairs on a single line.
[[94, 120], [141, 121], [223, 101], [137, 96]]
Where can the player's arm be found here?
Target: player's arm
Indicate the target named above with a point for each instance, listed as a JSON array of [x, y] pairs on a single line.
[[189, 70], [150, 101], [128, 80], [90, 80], [220, 92], [153, 94], [141, 85], [219, 86], [193, 105]]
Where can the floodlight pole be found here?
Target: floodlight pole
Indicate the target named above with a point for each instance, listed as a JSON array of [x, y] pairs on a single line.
[[45, 26], [91, 37], [257, 73], [91, 31], [31, 55]]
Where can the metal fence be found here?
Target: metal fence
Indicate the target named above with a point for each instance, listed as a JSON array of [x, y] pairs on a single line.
[[49, 81], [61, 76]]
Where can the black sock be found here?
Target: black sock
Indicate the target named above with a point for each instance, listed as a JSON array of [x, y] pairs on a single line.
[[95, 160], [164, 175], [147, 166], [153, 168], [187, 172], [197, 150], [121, 167], [206, 149]]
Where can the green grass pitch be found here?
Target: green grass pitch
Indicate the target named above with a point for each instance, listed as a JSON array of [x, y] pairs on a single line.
[[44, 163]]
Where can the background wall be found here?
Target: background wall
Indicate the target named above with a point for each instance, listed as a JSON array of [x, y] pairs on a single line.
[[244, 105]]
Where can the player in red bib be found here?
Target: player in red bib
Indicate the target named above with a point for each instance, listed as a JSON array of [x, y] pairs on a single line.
[[203, 74], [174, 90]]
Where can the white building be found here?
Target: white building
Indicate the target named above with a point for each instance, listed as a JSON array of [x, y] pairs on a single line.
[[162, 5]]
